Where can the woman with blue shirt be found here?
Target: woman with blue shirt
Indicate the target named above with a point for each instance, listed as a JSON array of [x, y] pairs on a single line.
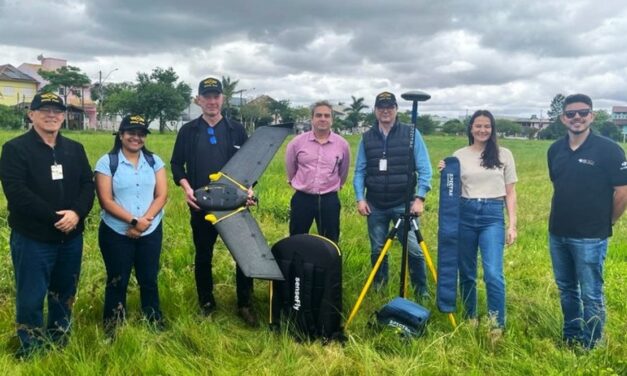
[[132, 189]]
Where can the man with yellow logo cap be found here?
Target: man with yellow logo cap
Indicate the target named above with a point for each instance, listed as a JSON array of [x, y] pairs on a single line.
[[381, 180], [203, 146], [49, 189]]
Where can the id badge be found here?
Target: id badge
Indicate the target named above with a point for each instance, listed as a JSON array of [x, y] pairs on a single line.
[[383, 164], [57, 171]]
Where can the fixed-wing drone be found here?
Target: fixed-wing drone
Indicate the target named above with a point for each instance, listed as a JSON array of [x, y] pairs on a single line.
[[224, 198]]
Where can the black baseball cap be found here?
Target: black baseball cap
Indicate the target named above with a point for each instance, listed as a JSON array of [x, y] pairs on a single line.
[[209, 85], [133, 122], [385, 99], [46, 99]]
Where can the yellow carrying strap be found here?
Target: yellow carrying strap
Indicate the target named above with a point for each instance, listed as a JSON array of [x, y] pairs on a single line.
[[218, 175]]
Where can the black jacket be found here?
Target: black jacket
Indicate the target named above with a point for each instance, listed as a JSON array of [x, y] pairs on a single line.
[[183, 162], [33, 197]]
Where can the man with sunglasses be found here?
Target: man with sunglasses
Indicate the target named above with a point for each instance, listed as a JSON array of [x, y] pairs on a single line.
[[49, 189], [589, 176], [381, 171], [203, 146]]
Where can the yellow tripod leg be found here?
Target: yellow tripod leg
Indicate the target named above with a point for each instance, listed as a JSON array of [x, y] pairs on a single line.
[[385, 249]]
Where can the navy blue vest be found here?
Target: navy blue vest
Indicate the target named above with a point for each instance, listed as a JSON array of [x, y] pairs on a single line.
[[386, 189]]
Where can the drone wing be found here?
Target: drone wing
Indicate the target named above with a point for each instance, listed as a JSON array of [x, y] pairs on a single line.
[[247, 165], [242, 236]]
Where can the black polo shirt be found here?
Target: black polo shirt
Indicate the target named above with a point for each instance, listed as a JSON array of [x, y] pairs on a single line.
[[583, 186]]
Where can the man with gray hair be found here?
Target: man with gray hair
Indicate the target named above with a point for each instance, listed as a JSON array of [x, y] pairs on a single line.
[[49, 188], [317, 166]]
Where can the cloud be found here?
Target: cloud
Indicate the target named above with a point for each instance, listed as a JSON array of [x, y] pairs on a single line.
[[512, 57]]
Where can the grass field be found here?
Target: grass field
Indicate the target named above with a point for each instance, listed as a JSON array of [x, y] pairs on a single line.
[[222, 345]]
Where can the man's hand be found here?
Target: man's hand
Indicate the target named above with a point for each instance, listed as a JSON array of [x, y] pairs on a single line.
[[67, 223], [363, 208], [417, 207], [190, 198], [251, 200]]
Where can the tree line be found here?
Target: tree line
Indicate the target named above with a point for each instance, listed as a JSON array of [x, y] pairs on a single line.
[[161, 96]]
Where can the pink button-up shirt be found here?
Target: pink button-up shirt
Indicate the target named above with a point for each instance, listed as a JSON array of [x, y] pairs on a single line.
[[317, 168]]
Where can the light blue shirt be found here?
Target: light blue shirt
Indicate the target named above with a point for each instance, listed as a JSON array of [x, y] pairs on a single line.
[[423, 168], [133, 189]]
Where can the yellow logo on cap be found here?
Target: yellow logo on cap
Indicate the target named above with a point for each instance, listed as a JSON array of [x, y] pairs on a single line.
[[49, 97], [385, 95], [210, 82], [136, 119]]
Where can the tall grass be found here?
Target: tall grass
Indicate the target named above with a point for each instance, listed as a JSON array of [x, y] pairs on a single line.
[[222, 345]]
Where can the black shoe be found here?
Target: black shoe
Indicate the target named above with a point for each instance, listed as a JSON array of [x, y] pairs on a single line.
[[208, 308], [249, 316]]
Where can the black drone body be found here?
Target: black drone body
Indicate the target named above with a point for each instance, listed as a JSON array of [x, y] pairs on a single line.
[[225, 197]]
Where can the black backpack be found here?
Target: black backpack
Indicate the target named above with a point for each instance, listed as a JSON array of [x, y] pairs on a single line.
[[309, 300], [114, 161]]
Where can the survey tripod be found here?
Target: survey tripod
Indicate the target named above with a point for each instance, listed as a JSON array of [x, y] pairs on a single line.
[[408, 220]]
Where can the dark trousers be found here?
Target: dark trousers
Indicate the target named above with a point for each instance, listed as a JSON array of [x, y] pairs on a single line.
[[324, 209], [205, 235], [44, 269], [121, 254]]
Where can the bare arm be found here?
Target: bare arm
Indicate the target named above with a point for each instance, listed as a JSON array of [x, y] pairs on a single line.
[[620, 202], [104, 190], [510, 203], [160, 197]]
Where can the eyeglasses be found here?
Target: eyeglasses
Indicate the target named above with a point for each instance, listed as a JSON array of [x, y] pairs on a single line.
[[50, 110], [212, 136], [582, 113]]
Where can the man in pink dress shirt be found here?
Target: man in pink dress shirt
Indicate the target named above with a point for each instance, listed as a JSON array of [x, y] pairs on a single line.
[[317, 166]]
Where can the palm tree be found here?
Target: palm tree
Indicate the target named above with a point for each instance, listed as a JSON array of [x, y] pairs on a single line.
[[354, 111], [228, 89]]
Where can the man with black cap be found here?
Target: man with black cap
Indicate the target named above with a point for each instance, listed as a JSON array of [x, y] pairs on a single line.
[[203, 146], [382, 172], [49, 188]]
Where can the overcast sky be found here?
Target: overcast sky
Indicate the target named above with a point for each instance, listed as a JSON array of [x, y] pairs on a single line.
[[510, 57]]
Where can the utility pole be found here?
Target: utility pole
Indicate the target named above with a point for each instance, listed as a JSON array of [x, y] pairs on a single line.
[[101, 96], [99, 99]]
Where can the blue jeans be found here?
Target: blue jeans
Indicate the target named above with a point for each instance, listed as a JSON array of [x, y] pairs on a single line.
[[378, 227], [41, 269], [482, 228], [121, 254], [578, 270]]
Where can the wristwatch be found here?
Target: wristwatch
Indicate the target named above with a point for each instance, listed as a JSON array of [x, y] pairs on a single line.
[[420, 197], [133, 222]]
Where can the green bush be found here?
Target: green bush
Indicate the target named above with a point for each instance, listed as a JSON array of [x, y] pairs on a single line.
[[10, 117]]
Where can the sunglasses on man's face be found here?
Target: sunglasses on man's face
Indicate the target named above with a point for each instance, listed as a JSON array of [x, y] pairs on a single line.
[[212, 136], [582, 113]]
